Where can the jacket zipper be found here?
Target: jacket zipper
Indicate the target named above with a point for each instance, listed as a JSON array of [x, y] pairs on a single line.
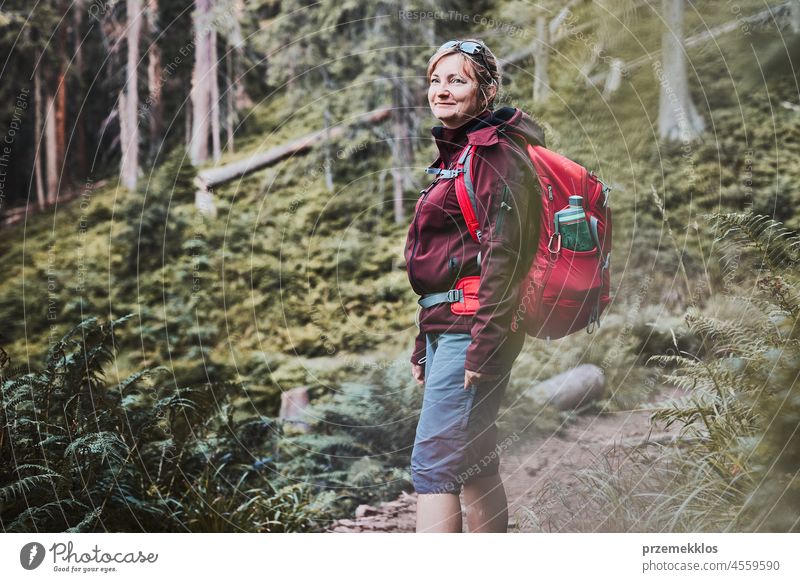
[[504, 208], [424, 193]]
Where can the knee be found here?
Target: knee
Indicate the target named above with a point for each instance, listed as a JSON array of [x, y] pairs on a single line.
[[486, 481]]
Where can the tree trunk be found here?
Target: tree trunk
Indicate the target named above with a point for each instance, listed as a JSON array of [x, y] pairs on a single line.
[[230, 111], [214, 95], [41, 195], [541, 55], [242, 99], [326, 114], [198, 149], [51, 157], [589, 66], [81, 163], [402, 152], [397, 169], [291, 76], [129, 103], [61, 120], [236, 95], [187, 125], [614, 78], [61, 47], [124, 132], [678, 118], [402, 127], [154, 81], [795, 16]]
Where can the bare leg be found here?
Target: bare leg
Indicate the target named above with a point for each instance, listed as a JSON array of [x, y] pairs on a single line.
[[487, 506], [438, 512]]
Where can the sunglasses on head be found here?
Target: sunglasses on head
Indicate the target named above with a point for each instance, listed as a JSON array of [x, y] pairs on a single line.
[[468, 47]]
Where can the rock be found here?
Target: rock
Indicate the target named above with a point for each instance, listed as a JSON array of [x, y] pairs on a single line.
[[408, 498], [571, 389], [394, 506], [364, 510], [376, 526], [398, 515]]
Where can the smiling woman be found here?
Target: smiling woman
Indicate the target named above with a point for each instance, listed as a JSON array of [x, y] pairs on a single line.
[[456, 90], [469, 288]]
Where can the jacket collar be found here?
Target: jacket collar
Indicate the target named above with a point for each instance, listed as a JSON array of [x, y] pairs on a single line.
[[481, 131]]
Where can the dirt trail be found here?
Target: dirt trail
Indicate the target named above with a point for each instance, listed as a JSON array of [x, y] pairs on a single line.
[[533, 468]]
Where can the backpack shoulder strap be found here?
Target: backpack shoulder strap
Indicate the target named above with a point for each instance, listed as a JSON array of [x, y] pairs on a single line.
[[465, 188], [465, 193]]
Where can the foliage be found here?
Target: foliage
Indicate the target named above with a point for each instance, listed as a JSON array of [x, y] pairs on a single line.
[[152, 230], [81, 454], [360, 439], [736, 464]]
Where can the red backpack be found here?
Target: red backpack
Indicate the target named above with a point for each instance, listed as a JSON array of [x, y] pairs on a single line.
[[564, 290]]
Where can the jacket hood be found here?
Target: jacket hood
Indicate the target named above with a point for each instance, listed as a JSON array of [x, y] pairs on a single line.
[[485, 131]]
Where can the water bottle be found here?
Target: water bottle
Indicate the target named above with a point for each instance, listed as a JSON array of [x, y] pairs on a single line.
[[571, 223]]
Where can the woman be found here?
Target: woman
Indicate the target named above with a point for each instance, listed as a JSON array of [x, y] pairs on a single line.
[[464, 359]]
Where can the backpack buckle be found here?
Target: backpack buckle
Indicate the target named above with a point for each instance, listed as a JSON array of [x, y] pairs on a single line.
[[443, 173], [455, 296]]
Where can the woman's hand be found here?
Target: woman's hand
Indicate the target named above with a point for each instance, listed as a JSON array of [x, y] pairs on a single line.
[[474, 378], [418, 372]]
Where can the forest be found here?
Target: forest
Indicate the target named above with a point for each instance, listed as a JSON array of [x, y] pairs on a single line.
[[205, 317]]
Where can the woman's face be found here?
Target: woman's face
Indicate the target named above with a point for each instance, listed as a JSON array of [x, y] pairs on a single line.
[[453, 96]]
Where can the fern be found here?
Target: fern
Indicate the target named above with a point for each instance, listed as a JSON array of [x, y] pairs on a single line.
[[49, 512], [776, 244], [89, 455], [737, 465], [25, 484], [359, 440], [86, 524], [100, 446], [142, 455]]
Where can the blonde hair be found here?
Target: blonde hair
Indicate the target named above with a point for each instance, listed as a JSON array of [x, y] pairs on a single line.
[[486, 75]]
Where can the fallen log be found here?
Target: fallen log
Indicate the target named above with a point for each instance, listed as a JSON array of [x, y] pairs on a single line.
[[211, 177], [695, 40]]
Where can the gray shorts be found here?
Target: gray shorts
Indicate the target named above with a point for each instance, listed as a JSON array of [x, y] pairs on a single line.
[[456, 438]]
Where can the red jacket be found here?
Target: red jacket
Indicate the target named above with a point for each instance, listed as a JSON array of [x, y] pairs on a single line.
[[439, 249]]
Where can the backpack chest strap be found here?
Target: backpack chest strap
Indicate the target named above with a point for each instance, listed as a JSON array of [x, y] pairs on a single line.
[[443, 173]]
